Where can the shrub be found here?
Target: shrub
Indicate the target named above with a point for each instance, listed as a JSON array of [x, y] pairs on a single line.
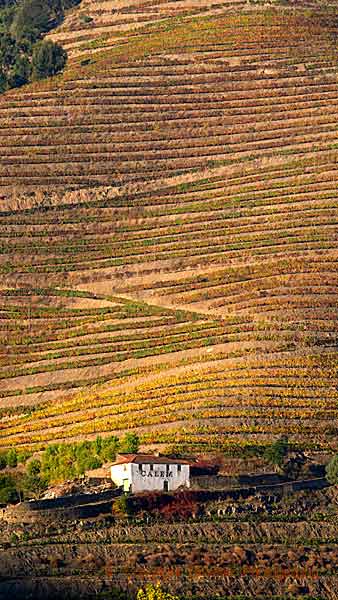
[[122, 506], [181, 506], [332, 470], [151, 592], [86, 19], [48, 59]]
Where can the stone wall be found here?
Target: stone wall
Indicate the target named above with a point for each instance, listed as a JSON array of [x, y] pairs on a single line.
[[77, 506], [81, 506]]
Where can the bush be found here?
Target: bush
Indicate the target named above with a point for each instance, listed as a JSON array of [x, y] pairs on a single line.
[[86, 19], [182, 506], [122, 506], [151, 592], [8, 491], [48, 59], [332, 470]]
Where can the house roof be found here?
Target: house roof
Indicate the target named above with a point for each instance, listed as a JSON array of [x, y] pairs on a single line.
[[140, 459]]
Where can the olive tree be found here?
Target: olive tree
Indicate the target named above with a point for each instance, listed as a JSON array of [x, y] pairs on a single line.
[[48, 59]]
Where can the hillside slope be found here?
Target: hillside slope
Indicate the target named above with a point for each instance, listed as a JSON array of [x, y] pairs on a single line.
[[169, 229]]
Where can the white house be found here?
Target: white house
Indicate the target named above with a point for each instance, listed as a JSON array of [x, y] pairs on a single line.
[[145, 472]]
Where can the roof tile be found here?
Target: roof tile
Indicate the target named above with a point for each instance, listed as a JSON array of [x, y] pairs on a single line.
[[148, 459]]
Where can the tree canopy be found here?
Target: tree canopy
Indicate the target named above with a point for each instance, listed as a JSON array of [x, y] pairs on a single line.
[[23, 56], [277, 452], [48, 59]]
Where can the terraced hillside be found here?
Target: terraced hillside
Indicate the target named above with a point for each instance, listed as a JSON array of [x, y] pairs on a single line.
[[169, 229], [177, 98], [285, 552]]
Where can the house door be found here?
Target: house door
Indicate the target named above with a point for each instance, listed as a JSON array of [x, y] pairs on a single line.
[[166, 486], [126, 485]]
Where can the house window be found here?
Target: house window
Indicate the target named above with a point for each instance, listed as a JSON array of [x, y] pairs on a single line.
[[167, 469], [151, 467], [140, 468], [178, 468]]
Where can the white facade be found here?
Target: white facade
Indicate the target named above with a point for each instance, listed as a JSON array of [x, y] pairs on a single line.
[[148, 476]]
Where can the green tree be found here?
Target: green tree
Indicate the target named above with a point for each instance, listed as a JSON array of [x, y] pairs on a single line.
[[3, 81], [332, 470], [130, 443], [34, 467], [48, 59], [32, 18], [277, 452], [98, 444], [109, 447], [23, 456], [6, 18], [8, 491], [12, 458], [34, 482], [3, 461], [22, 25], [9, 52], [86, 457], [20, 73]]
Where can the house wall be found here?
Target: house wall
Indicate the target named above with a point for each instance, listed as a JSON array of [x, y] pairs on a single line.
[[150, 480], [121, 472]]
